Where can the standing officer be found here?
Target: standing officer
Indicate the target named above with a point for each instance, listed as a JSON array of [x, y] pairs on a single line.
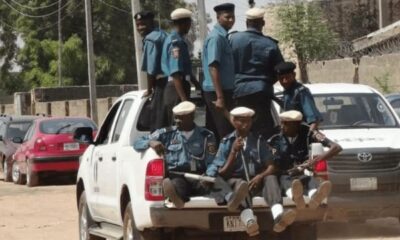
[[153, 40], [296, 96], [175, 62], [290, 149], [185, 148], [242, 156], [255, 57], [218, 70]]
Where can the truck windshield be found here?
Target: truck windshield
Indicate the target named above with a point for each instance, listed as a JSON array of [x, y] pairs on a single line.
[[354, 111]]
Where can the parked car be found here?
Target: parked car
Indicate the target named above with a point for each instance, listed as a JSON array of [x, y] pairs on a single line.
[[11, 127], [48, 147], [394, 100], [365, 175]]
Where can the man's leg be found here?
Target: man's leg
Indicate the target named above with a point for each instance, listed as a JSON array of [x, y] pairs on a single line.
[[158, 111], [293, 188], [273, 197], [317, 192], [177, 189]]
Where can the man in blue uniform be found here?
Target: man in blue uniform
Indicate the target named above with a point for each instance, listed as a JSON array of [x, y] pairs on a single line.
[[218, 67], [185, 148], [242, 156], [255, 57], [296, 96], [153, 40], [175, 62], [290, 149]]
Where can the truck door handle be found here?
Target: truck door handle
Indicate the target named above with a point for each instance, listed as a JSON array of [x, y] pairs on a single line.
[[100, 159], [114, 158]]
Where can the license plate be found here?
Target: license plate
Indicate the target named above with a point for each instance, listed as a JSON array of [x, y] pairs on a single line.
[[71, 146], [363, 184], [233, 224]]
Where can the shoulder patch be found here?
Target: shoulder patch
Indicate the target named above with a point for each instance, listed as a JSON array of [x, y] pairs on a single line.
[[320, 137], [212, 148], [175, 52]]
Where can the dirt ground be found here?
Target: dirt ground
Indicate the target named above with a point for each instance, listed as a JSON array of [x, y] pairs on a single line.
[[49, 212]]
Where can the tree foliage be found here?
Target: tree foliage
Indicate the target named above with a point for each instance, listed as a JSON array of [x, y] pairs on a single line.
[[302, 27], [37, 56]]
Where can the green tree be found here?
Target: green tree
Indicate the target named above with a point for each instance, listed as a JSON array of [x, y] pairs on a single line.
[[302, 27]]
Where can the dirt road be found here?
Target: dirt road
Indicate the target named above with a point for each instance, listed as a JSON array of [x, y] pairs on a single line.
[[49, 212]]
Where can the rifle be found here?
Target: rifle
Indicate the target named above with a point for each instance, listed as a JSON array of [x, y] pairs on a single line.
[[195, 176]]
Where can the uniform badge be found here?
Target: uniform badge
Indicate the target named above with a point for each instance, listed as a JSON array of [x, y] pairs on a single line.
[[273, 150], [175, 141], [175, 52], [212, 148]]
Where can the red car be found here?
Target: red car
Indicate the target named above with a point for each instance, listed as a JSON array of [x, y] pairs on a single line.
[[48, 147]]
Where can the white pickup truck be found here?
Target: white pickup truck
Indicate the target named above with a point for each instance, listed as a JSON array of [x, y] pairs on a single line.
[[119, 191]]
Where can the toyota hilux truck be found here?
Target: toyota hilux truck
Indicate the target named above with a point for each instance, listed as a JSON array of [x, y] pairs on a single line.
[[120, 196]]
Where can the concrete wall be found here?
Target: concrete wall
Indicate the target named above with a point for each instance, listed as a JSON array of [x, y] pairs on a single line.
[[343, 70]]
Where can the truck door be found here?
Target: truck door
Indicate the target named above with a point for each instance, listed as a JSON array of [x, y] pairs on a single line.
[[108, 198]]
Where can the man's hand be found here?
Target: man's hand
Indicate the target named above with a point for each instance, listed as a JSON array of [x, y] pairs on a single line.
[[315, 159], [158, 147], [219, 104], [255, 182], [148, 93], [296, 171], [238, 144]]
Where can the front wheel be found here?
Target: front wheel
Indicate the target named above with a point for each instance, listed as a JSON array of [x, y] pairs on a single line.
[[85, 220], [17, 176], [131, 232]]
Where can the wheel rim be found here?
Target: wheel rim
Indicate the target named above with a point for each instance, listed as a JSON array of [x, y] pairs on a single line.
[[15, 172], [83, 224], [129, 229], [5, 169]]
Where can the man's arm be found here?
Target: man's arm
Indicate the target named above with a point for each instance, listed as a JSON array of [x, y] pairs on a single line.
[[226, 170], [151, 79], [215, 76], [178, 83], [310, 110], [334, 148], [214, 57]]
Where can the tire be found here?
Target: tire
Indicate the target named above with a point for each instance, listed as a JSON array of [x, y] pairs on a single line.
[[17, 176], [131, 232], [85, 220], [6, 171], [32, 178]]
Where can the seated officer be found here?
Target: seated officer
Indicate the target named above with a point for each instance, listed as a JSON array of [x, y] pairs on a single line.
[[296, 96], [244, 157], [185, 148], [290, 148]]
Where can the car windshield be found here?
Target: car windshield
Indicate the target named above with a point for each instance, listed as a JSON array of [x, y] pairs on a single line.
[[354, 111], [57, 126], [17, 129]]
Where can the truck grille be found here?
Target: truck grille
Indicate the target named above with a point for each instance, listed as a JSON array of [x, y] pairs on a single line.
[[350, 162]]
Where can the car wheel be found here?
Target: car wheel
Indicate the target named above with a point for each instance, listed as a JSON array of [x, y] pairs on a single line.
[[85, 220], [32, 178], [131, 232], [6, 171], [17, 176]]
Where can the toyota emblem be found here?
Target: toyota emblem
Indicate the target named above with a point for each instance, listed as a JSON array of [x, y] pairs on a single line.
[[364, 157]]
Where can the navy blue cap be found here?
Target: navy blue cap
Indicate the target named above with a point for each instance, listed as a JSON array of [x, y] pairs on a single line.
[[225, 7], [285, 67], [144, 15]]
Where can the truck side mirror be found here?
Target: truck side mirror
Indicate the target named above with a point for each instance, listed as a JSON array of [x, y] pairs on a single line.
[[17, 140], [84, 135]]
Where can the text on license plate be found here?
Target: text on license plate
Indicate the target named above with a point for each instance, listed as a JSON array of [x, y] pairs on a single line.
[[363, 184], [71, 146], [233, 224]]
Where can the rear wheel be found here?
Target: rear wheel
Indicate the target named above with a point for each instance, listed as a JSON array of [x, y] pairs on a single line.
[[6, 171], [131, 232], [17, 176], [32, 178], [85, 220]]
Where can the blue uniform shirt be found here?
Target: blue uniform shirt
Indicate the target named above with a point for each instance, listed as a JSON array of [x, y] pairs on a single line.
[[298, 97], [216, 49], [255, 57], [175, 56], [256, 154], [188, 155], [152, 49], [289, 153]]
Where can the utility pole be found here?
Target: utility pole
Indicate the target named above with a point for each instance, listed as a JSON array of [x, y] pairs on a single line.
[[60, 80], [380, 14], [90, 57], [202, 21], [141, 77]]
